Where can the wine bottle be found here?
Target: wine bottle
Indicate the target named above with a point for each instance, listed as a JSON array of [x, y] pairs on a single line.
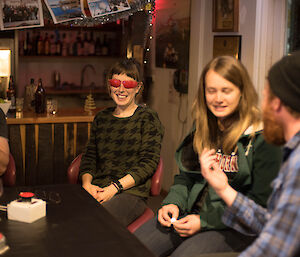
[[11, 95], [40, 98]]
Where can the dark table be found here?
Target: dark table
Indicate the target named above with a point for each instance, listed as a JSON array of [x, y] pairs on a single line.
[[75, 225]]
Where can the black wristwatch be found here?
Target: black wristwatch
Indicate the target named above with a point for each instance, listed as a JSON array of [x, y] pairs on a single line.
[[120, 190]]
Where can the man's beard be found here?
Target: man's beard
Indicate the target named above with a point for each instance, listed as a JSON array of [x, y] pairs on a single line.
[[273, 131]]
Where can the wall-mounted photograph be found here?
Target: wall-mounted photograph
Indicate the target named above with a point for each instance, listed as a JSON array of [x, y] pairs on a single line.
[[227, 45], [64, 10], [104, 7], [173, 35], [225, 16], [19, 14]]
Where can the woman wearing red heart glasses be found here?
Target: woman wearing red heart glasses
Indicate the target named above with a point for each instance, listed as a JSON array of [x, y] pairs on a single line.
[[124, 147]]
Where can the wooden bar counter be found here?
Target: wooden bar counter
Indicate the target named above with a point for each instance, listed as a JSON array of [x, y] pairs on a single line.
[[44, 145]]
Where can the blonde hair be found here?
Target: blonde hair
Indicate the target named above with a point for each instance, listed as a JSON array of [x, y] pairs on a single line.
[[207, 134]]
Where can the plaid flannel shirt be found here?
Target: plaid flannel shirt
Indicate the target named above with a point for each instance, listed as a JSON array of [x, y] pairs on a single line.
[[278, 226]]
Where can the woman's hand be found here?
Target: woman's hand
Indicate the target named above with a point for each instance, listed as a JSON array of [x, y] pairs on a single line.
[[188, 225], [167, 212], [211, 171], [92, 189], [106, 194]]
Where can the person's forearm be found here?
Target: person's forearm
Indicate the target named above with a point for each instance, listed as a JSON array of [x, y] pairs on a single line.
[[4, 159], [127, 182], [4, 154], [228, 195], [86, 178]]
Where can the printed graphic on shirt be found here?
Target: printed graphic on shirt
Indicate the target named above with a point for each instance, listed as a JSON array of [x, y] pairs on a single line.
[[228, 163]]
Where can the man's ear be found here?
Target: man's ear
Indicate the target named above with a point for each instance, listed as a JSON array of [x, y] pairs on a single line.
[[276, 104]]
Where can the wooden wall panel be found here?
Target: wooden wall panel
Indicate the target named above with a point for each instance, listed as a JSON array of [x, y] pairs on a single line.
[[30, 157], [59, 164], [49, 150]]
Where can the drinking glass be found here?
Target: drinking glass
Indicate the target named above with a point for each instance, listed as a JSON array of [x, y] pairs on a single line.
[[19, 104]]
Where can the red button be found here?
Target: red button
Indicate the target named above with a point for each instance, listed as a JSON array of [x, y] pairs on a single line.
[[26, 194]]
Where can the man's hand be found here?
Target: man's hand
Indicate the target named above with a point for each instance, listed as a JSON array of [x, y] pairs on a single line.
[[211, 171], [188, 225], [106, 194], [216, 177], [167, 212]]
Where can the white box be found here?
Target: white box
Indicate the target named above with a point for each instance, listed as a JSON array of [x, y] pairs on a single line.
[[26, 211]]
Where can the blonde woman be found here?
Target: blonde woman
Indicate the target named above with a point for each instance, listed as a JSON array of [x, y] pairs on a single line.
[[226, 118]]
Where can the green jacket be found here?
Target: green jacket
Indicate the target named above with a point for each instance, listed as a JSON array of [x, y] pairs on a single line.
[[256, 170]]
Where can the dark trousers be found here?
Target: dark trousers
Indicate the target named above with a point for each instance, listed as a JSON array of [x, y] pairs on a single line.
[[125, 207], [164, 241]]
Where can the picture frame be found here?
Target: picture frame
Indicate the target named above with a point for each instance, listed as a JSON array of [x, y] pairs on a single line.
[[225, 16], [227, 45], [21, 14], [62, 11]]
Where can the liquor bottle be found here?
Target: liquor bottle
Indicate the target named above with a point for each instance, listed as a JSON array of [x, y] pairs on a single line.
[[71, 44], [58, 43], [11, 95], [98, 47], [40, 45], [92, 44], [86, 45], [65, 46], [29, 44], [52, 45], [105, 48], [79, 44], [25, 48], [34, 42], [29, 95], [47, 45], [40, 98]]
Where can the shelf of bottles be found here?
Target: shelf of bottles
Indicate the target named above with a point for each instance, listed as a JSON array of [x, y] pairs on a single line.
[[79, 42]]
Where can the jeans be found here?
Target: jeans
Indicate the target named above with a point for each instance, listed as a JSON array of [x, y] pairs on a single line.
[[163, 241], [125, 207]]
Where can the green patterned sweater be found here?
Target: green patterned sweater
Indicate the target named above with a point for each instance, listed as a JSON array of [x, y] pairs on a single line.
[[121, 146]]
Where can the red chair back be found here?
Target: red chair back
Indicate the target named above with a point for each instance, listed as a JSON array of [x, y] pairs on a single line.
[[157, 179], [73, 170], [9, 177]]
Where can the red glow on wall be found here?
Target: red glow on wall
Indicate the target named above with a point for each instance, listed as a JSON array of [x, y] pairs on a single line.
[[161, 4]]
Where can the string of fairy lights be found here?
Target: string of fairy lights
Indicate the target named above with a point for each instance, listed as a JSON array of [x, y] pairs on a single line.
[[147, 6]]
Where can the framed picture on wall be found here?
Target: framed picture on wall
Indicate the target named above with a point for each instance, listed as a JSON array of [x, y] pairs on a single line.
[[225, 16], [227, 45]]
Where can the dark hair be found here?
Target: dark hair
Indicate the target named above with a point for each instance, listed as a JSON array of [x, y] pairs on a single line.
[[130, 67]]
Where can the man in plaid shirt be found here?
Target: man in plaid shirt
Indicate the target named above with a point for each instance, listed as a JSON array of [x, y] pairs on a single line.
[[278, 226]]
